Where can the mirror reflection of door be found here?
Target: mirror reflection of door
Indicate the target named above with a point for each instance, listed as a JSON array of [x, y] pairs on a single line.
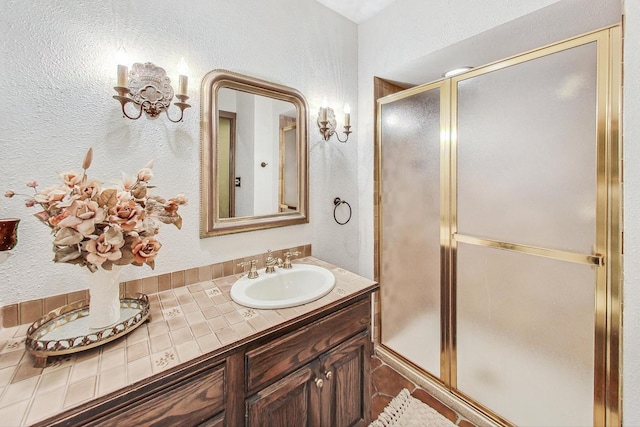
[[288, 194], [226, 165], [254, 156], [259, 106]]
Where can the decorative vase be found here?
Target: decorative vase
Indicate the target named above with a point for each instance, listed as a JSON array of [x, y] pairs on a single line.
[[8, 233], [104, 301]]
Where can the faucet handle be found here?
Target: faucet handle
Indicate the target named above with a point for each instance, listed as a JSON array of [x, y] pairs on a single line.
[[253, 273], [287, 258], [271, 262]]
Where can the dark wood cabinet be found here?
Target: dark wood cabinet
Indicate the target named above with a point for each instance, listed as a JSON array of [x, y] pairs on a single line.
[[312, 371], [329, 388], [190, 402], [346, 392], [292, 401]]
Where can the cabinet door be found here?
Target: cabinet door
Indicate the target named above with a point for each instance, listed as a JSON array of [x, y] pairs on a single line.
[[292, 401], [346, 392]]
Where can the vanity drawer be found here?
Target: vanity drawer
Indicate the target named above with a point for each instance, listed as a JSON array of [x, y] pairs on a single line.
[[270, 361], [187, 403]]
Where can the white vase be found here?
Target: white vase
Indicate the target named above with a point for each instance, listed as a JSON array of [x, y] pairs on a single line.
[[104, 302]]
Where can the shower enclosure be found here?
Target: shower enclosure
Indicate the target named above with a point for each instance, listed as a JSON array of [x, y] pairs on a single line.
[[500, 233]]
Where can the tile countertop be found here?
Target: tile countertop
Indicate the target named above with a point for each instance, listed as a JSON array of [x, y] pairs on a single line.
[[186, 322]]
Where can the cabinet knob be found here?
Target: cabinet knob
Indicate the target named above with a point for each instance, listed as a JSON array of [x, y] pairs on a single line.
[[329, 375], [319, 382]]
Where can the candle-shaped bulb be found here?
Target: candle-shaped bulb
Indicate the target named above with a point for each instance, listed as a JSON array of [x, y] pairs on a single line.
[[323, 110], [121, 56], [347, 115], [183, 69], [122, 60]]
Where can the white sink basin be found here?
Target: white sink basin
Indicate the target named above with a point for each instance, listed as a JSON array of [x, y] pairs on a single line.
[[289, 287]]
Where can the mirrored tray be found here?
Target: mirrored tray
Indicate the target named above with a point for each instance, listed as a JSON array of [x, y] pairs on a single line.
[[65, 330]]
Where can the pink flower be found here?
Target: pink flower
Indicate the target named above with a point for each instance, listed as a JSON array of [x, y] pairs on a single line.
[[105, 248], [71, 178], [126, 214], [32, 184], [145, 250], [50, 195], [9, 193], [82, 216], [172, 205], [90, 189], [56, 219], [179, 199], [128, 181], [145, 174]]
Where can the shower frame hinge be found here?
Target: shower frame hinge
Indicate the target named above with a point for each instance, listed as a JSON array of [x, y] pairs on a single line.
[[598, 260]]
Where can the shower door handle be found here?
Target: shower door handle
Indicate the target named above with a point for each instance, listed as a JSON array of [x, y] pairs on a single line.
[[595, 259]]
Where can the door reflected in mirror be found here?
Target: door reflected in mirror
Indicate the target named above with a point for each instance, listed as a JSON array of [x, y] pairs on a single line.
[[288, 193], [254, 154], [226, 160]]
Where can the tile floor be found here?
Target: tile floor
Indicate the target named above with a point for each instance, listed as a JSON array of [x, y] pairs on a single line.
[[386, 383]]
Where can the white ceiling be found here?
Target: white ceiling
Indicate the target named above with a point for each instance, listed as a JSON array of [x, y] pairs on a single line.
[[356, 10], [559, 21]]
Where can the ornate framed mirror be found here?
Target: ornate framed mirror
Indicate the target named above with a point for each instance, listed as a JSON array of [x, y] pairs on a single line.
[[254, 171]]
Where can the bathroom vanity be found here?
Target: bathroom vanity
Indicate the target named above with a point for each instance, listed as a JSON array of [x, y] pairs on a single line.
[[309, 369]]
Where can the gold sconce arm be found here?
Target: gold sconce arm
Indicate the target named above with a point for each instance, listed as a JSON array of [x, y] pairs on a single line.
[[182, 105], [124, 100]]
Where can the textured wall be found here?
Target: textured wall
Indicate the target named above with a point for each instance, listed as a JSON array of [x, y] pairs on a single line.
[[58, 71]]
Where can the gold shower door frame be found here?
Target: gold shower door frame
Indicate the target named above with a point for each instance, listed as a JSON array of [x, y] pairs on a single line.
[[607, 255]]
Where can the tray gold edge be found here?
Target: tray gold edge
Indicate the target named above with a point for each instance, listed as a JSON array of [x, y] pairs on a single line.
[[143, 299], [89, 346]]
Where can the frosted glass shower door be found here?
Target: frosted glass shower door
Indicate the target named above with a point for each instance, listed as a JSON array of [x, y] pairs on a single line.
[[527, 182], [410, 226], [500, 234]]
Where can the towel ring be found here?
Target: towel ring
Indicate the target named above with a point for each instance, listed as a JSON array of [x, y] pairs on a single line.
[[337, 202]]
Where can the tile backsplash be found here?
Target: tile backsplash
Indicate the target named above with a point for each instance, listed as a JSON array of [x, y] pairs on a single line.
[[30, 311]]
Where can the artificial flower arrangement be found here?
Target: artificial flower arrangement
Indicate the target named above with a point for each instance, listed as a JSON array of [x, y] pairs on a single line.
[[95, 226]]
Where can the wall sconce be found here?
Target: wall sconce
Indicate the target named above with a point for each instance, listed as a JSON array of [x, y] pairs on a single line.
[[327, 122], [149, 88]]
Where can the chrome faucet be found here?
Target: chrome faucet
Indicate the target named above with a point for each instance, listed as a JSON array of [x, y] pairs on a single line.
[[270, 262], [287, 258], [253, 273]]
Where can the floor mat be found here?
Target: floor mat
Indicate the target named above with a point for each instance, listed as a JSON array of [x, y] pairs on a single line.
[[407, 411]]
